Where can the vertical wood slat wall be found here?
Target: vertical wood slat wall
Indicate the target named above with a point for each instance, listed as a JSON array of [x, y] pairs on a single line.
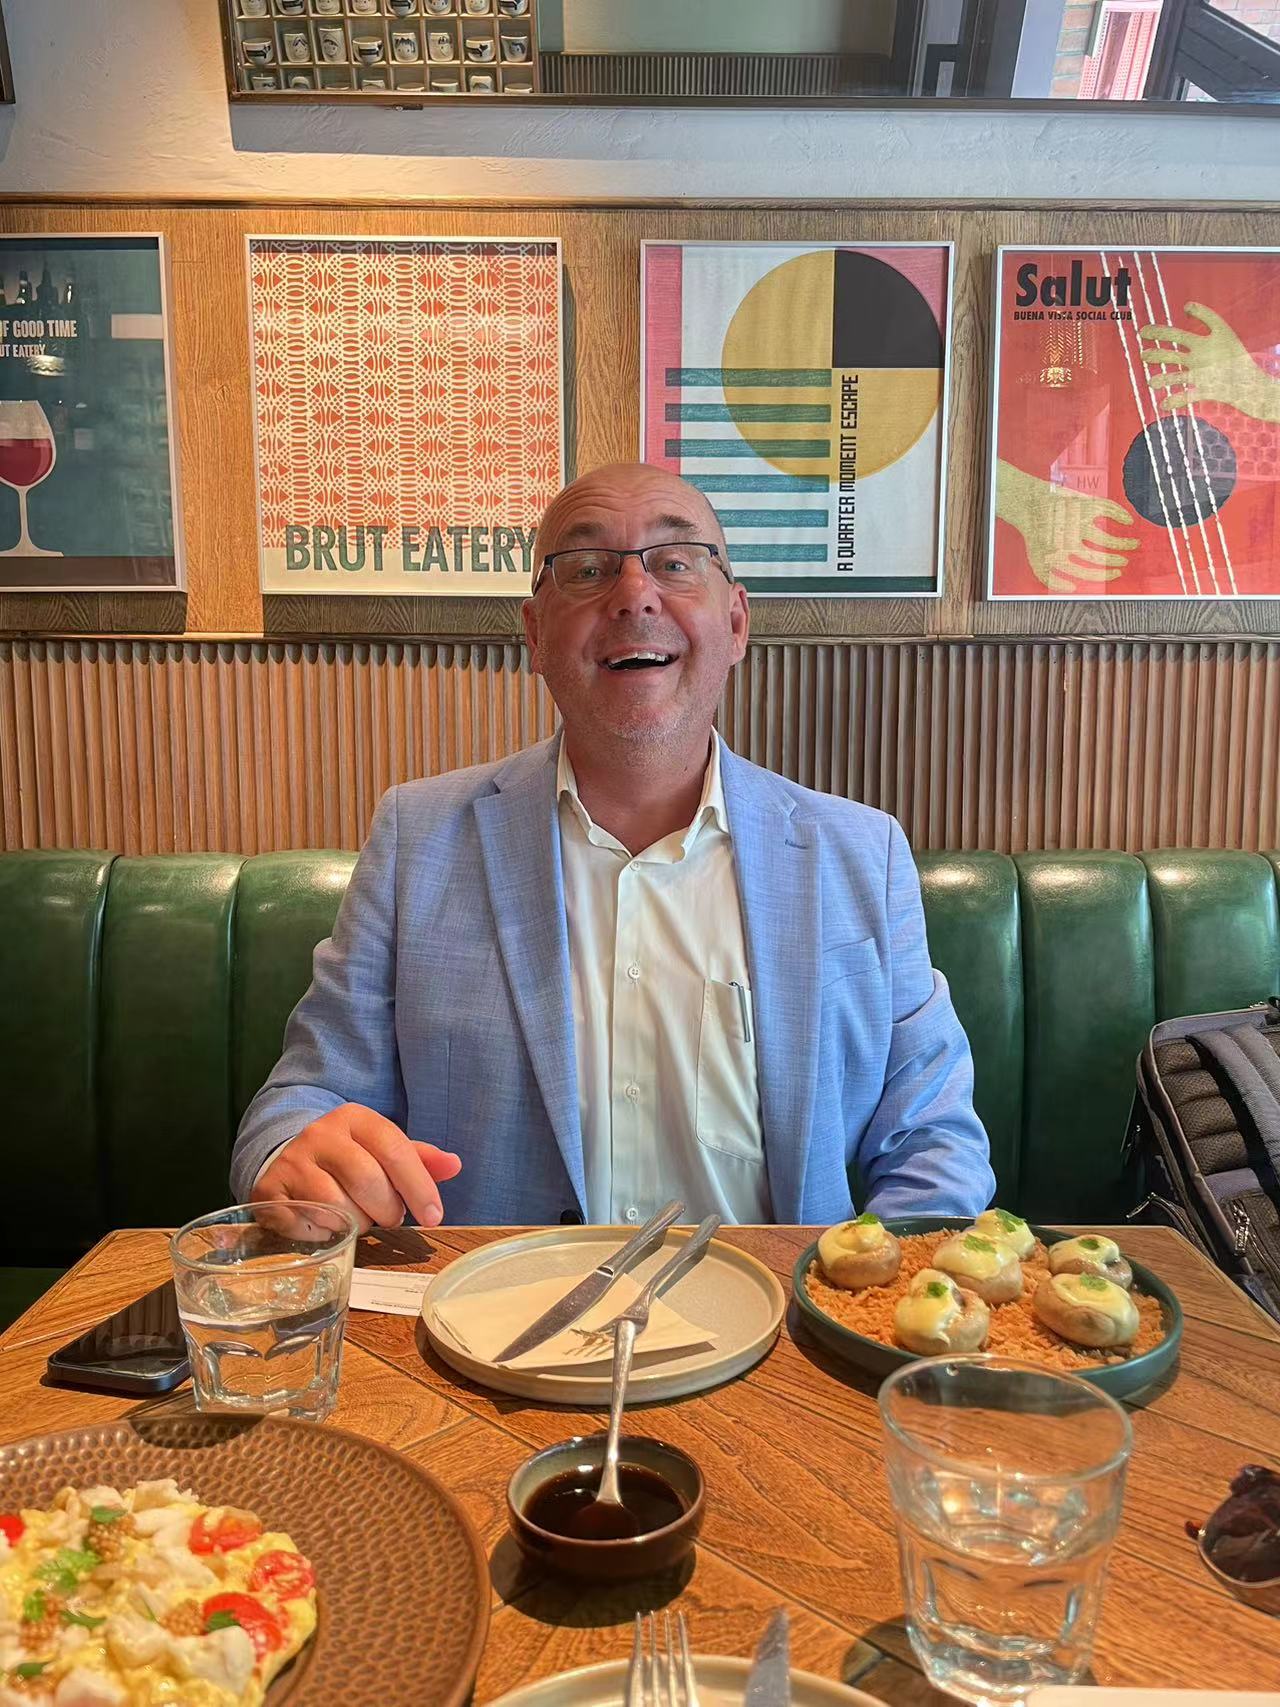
[[157, 746]]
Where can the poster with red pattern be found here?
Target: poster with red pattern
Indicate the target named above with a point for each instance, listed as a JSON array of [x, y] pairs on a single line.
[[1136, 424], [408, 411]]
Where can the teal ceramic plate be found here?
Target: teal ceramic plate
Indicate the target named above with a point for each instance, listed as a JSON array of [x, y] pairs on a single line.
[[1118, 1379]]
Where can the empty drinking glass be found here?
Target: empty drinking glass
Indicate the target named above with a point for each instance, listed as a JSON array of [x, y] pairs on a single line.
[[1007, 1481], [262, 1293]]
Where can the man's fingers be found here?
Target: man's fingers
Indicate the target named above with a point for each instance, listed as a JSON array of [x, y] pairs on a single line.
[[363, 1180], [399, 1160], [356, 1158], [440, 1164], [307, 1182]]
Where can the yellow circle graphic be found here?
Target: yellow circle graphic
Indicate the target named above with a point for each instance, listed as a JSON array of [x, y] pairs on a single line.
[[785, 324]]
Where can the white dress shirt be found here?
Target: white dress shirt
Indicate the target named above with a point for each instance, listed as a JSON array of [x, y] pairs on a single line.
[[662, 1015]]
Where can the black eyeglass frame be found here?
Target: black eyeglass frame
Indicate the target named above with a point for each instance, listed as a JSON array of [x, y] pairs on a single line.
[[640, 551]]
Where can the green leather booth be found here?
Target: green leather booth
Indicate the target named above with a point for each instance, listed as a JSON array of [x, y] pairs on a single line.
[[144, 1000]]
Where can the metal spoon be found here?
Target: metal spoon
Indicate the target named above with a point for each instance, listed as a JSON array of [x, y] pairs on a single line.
[[626, 1328]]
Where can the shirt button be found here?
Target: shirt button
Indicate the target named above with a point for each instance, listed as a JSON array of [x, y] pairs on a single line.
[[633, 1091], [633, 971], [633, 1214]]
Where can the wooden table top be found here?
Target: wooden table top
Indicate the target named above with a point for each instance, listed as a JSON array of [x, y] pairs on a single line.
[[797, 1504]]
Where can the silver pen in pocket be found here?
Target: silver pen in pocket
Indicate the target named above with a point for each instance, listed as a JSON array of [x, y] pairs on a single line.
[[742, 1003]]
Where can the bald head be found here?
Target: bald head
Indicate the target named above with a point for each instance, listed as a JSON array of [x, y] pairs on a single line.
[[663, 711], [654, 502]]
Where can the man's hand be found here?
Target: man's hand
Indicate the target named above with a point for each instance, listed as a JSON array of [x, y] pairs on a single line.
[[364, 1163]]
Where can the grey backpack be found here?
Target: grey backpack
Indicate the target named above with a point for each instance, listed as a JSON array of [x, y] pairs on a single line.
[[1206, 1125]]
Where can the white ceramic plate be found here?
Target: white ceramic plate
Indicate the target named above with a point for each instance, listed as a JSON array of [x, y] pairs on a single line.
[[721, 1683], [730, 1293]]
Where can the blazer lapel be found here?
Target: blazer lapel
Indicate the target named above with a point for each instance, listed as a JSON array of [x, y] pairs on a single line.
[[775, 851], [520, 840]]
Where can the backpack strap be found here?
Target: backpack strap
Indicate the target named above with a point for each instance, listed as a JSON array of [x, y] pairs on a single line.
[[1263, 1057], [1256, 1083]]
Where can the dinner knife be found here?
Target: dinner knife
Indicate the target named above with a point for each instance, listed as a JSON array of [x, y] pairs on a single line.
[[587, 1292], [769, 1680]]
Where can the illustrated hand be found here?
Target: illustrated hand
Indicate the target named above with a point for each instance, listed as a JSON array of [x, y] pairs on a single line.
[[1064, 532], [361, 1161], [1207, 367]]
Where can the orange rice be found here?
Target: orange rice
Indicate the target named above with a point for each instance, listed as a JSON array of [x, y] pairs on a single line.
[[1015, 1330]]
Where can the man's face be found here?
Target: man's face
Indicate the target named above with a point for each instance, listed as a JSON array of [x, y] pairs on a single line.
[[580, 645]]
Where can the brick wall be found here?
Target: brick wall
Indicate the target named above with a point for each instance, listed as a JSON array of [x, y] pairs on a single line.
[[1068, 64], [1260, 15], [1077, 19]]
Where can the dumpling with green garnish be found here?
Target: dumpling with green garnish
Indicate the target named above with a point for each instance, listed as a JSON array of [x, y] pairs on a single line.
[[936, 1316], [859, 1253], [986, 1266], [1002, 1224]]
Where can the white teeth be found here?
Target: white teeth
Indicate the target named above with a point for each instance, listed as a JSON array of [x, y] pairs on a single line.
[[629, 657]]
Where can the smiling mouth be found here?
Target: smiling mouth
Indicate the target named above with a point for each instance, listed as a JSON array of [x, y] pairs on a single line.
[[641, 661]]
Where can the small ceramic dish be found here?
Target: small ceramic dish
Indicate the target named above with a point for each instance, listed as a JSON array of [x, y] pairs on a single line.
[[1245, 1527], [612, 1560], [1264, 1595]]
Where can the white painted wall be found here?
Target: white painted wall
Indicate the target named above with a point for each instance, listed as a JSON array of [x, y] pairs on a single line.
[[127, 96]]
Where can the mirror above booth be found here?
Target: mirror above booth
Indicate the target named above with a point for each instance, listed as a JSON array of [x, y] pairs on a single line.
[[1195, 53]]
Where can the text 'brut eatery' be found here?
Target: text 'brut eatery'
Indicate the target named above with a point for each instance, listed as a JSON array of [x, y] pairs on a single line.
[[411, 550]]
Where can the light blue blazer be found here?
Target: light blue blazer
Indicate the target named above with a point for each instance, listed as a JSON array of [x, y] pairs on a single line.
[[443, 1001]]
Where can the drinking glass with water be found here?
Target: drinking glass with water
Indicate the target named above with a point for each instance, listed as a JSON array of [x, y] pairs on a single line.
[[1007, 1481], [262, 1292]]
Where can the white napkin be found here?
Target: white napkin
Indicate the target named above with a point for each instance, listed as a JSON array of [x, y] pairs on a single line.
[[482, 1323]]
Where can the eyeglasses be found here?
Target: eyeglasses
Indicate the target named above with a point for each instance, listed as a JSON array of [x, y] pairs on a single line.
[[681, 568]]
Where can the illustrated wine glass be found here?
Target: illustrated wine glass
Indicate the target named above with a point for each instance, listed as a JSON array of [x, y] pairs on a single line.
[[27, 456]]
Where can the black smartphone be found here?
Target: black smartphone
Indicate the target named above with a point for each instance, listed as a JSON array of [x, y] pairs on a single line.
[[140, 1349]]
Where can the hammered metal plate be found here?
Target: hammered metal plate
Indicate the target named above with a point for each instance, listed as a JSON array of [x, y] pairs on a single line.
[[402, 1580]]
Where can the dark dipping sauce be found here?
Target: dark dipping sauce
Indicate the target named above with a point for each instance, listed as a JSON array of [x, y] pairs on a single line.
[[566, 1504]]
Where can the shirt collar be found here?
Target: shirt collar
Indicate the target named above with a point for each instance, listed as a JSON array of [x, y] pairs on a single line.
[[710, 807]]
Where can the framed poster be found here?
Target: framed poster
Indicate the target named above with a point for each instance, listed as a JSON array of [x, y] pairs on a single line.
[[88, 455], [803, 388], [408, 411], [1135, 446]]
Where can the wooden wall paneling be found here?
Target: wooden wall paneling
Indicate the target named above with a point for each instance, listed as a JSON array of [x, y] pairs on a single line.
[[251, 745]]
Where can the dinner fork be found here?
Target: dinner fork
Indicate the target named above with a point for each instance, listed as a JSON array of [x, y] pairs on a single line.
[[637, 1312], [658, 1677], [626, 1329]]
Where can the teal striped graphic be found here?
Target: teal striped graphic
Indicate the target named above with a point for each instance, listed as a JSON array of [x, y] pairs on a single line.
[[778, 553], [808, 449], [836, 584], [818, 414], [758, 482], [817, 378], [773, 518]]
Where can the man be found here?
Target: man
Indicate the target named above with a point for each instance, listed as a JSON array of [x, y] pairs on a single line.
[[624, 965]]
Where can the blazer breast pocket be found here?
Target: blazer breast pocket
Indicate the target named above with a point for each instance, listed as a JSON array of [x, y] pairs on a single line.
[[849, 960]]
